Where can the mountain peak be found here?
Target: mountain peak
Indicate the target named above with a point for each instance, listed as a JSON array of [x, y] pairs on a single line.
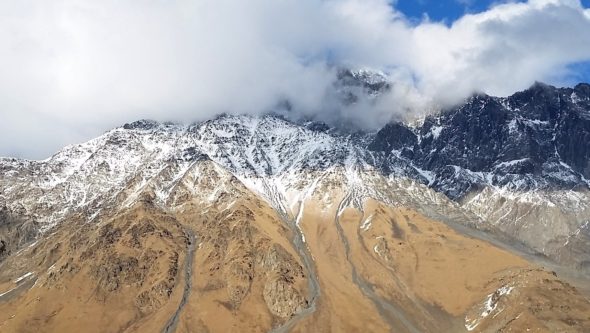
[[261, 201], [582, 90], [143, 124]]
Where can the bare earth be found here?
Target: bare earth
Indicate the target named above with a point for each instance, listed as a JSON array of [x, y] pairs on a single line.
[[377, 268]]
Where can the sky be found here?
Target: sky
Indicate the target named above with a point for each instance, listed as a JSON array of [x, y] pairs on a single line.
[[446, 11], [72, 69], [449, 11]]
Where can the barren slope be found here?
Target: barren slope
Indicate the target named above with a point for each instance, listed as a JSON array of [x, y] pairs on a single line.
[[332, 261]]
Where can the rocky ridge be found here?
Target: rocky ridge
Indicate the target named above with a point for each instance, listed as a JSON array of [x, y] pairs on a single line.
[[507, 162], [260, 191]]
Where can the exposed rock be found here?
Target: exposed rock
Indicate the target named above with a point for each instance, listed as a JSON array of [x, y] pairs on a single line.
[[282, 299], [269, 198], [15, 232]]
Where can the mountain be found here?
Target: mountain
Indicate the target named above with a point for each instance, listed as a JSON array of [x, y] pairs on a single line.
[[521, 163], [473, 219]]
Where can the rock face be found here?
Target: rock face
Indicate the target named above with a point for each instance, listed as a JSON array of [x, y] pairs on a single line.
[[15, 232], [306, 226], [520, 163], [496, 312], [280, 296], [529, 141], [517, 165]]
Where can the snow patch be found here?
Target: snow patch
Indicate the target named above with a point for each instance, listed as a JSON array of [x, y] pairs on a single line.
[[23, 277], [367, 223], [574, 96], [429, 175], [375, 248], [511, 163], [489, 305], [435, 131], [7, 292]]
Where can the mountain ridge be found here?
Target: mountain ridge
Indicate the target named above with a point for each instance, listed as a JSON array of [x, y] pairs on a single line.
[[293, 218], [508, 144]]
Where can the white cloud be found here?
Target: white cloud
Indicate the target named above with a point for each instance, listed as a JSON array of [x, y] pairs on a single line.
[[70, 69]]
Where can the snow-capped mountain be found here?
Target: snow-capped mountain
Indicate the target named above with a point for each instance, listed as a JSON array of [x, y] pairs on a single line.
[[531, 140], [276, 204], [519, 164]]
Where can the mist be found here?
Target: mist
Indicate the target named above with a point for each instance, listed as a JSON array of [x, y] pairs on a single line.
[[70, 70]]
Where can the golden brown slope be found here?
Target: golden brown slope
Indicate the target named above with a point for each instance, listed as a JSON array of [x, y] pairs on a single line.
[[379, 268], [127, 273], [419, 275], [90, 277]]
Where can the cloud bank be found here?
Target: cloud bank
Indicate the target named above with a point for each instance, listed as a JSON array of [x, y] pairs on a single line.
[[71, 69]]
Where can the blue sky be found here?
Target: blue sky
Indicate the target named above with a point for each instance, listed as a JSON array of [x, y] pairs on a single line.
[[580, 72], [441, 10], [447, 10]]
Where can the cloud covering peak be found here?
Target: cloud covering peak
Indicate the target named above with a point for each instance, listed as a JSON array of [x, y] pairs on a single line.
[[71, 69]]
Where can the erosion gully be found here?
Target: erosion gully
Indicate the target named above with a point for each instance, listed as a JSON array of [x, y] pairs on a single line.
[[172, 322], [308, 263], [390, 312]]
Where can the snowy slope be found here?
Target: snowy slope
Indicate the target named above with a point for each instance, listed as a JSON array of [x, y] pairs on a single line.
[[497, 164]]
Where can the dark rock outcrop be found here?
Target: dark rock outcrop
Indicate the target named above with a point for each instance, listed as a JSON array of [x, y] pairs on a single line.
[[534, 139]]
